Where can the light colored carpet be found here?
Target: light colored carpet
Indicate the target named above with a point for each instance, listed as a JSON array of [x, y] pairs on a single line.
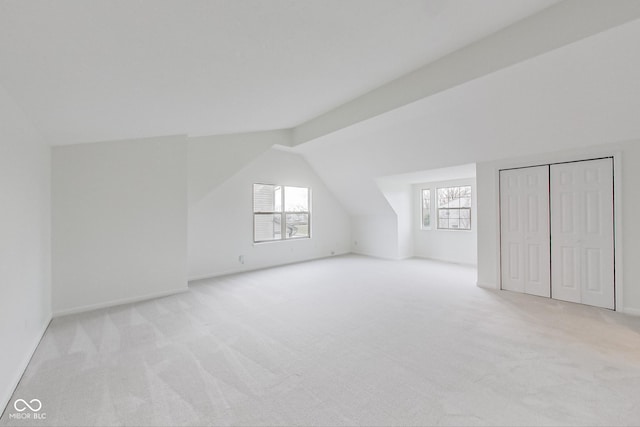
[[342, 341]]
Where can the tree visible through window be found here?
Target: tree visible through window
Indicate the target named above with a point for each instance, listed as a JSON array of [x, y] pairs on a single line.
[[426, 209], [280, 212], [454, 208]]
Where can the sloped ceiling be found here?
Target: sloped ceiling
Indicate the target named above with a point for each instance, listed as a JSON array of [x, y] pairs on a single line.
[[103, 70], [118, 69], [586, 93]]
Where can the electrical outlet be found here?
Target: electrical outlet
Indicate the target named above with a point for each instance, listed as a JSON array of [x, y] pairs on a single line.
[[241, 259]]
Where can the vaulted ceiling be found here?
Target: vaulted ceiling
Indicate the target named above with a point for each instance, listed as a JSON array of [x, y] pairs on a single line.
[[583, 94], [100, 70]]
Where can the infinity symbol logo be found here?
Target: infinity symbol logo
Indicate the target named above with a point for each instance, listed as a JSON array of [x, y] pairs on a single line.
[[21, 403]]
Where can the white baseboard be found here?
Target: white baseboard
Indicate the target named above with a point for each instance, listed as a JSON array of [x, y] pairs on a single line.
[[256, 268], [370, 255], [487, 285], [114, 303], [6, 398], [465, 264]]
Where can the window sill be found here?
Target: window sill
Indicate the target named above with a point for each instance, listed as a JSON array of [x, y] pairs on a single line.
[[281, 240]]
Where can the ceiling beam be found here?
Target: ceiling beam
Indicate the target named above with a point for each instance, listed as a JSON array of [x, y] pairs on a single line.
[[557, 26]]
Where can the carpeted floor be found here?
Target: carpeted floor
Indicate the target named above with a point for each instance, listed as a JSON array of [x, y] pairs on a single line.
[[341, 341]]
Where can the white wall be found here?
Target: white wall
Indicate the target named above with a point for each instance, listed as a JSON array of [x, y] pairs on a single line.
[[119, 222], [398, 194], [213, 159], [375, 235], [25, 272], [445, 245], [221, 224], [627, 176]]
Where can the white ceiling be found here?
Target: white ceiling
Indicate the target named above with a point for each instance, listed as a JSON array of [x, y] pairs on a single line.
[[586, 93], [101, 70]]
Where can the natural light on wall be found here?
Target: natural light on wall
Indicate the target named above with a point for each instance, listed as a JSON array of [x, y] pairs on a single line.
[[280, 215]]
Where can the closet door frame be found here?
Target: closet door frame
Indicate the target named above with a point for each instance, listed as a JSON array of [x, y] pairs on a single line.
[[617, 217]]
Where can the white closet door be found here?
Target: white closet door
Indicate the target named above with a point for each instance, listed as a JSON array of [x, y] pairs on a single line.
[[524, 213], [582, 232]]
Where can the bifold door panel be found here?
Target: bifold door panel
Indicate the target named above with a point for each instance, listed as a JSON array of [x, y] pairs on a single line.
[[524, 205], [582, 232], [556, 231]]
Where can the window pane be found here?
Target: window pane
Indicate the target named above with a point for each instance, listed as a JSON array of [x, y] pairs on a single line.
[[442, 197], [267, 227], [465, 196], [296, 199], [277, 199], [267, 198], [449, 197], [454, 205], [297, 225], [426, 208], [270, 221], [454, 197]]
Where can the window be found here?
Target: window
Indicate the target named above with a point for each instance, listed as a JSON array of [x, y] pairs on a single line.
[[426, 210], [454, 208], [280, 212]]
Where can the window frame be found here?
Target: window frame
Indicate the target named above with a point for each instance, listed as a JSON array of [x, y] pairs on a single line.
[[283, 213], [438, 208], [422, 209]]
